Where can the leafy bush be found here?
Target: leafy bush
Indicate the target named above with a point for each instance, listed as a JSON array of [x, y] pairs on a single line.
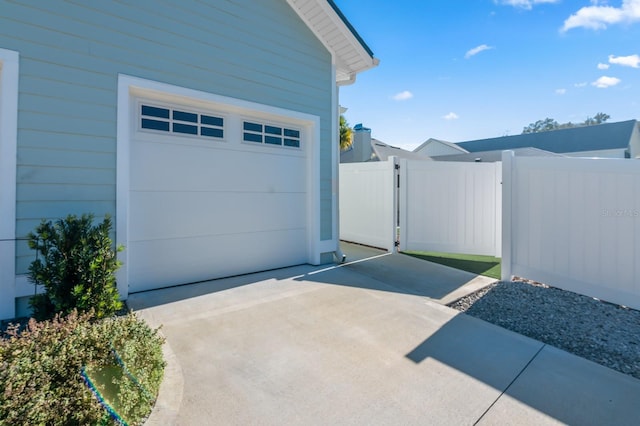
[[139, 350], [41, 370], [76, 265]]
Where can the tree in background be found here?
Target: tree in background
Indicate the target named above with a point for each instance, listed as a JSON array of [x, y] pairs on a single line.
[[550, 124], [346, 134], [541, 126], [599, 118]]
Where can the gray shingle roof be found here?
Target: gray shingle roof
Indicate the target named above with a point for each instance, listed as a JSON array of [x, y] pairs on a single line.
[[384, 151], [576, 139], [493, 156], [433, 140]]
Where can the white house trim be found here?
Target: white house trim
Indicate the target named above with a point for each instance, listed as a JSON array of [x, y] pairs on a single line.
[[130, 87], [350, 55], [335, 159], [9, 72]]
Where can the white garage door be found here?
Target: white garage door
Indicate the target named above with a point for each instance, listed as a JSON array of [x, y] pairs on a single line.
[[213, 193]]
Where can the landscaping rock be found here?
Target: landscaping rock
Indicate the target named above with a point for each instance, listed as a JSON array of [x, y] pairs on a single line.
[[602, 332]]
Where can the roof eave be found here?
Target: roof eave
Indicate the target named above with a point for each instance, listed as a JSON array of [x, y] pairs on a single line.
[[350, 53]]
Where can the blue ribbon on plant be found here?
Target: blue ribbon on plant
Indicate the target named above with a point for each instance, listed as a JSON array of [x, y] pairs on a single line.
[[109, 409], [133, 378], [112, 413]]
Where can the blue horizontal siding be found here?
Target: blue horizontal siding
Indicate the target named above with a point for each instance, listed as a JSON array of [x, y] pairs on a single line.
[[72, 52], [66, 192], [148, 41], [56, 209], [59, 140], [46, 85], [35, 68], [58, 121], [65, 175], [65, 158], [60, 107]]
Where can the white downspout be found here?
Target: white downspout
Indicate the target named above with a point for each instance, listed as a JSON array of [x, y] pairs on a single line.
[[335, 164]]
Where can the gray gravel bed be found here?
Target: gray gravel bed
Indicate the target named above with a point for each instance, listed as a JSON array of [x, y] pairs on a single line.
[[599, 331]]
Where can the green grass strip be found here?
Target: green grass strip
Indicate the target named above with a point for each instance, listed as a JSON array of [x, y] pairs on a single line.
[[488, 266]]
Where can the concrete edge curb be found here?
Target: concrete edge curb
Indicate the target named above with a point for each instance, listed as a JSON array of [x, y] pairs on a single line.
[[167, 406]]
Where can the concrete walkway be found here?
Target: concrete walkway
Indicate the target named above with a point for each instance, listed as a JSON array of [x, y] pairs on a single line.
[[364, 343]]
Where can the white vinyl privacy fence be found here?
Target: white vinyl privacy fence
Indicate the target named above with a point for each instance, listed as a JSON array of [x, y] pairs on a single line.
[[442, 206], [574, 224]]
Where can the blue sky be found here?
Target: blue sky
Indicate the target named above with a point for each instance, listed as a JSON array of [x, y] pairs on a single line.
[[468, 69]]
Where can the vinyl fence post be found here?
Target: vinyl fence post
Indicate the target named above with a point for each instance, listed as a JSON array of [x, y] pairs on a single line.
[[508, 163], [394, 164], [403, 204], [498, 209]]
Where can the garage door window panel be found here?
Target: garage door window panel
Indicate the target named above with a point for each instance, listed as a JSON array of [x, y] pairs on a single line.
[[271, 134], [177, 121], [211, 132], [154, 118], [276, 139]]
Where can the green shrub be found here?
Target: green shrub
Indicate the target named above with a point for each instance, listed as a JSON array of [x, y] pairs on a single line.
[[41, 370], [76, 264], [143, 362]]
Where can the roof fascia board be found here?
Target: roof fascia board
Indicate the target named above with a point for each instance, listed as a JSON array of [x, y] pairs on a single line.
[[344, 74], [353, 31]]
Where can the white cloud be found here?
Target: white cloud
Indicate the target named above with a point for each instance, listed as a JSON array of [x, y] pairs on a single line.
[[582, 84], [632, 61], [597, 17], [451, 116], [561, 91], [476, 50], [402, 96], [524, 4], [602, 66], [604, 82]]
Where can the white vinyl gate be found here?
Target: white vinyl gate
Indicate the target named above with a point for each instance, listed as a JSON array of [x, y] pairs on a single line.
[[442, 206], [368, 200], [450, 207]]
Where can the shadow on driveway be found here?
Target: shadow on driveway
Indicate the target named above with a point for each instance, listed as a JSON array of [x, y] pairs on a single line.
[[376, 270], [151, 298], [401, 273], [539, 384], [350, 344]]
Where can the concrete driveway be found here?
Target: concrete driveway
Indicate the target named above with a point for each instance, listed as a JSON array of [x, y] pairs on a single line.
[[363, 343]]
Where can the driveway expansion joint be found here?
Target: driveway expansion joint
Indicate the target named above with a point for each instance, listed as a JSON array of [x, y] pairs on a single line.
[[510, 384]]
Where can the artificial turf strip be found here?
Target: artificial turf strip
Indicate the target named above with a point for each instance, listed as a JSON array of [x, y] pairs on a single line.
[[482, 265]]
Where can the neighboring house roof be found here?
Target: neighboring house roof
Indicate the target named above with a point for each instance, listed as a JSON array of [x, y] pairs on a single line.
[[438, 141], [494, 156], [350, 53], [349, 156], [383, 152], [576, 139]]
